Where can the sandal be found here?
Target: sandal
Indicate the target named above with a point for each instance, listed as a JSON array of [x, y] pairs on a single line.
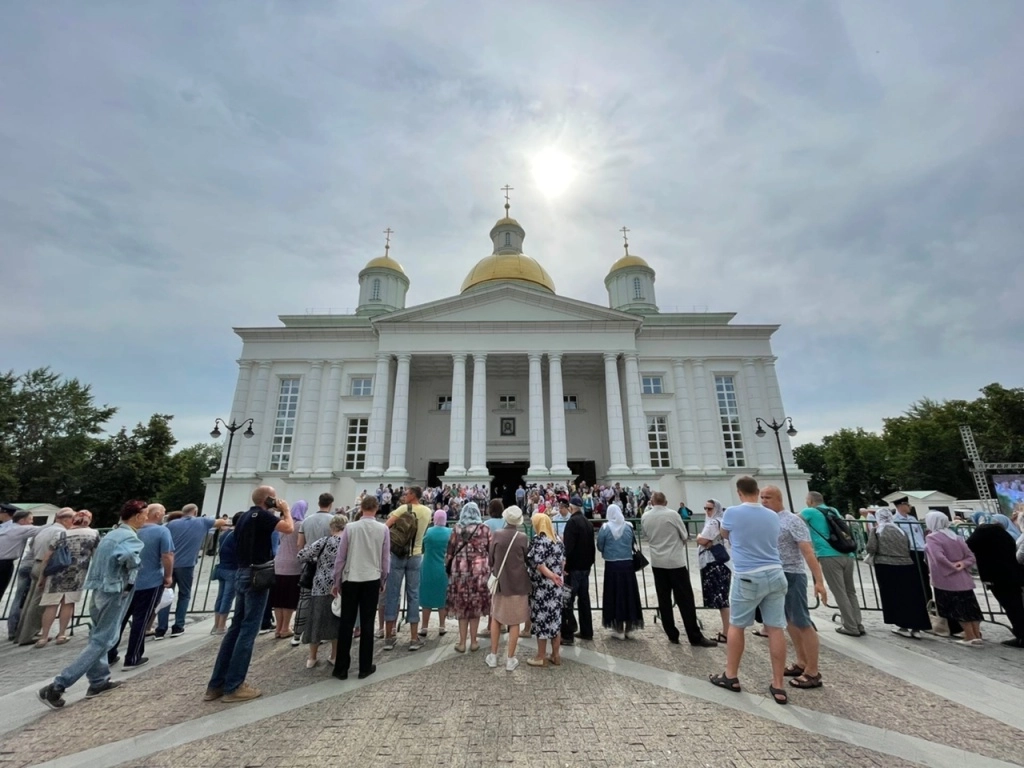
[[793, 670], [43, 641], [729, 683], [807, 681], [537, 662], [442, 632], [460, 649], [61, 640], [778, 694], [720, 638], [474, 647], [555, 661], [759, 633]]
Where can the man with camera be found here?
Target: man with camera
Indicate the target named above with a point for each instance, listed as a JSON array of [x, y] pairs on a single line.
[[255, 558]]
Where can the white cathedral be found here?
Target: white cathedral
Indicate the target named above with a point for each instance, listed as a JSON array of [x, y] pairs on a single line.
[[506, 383]]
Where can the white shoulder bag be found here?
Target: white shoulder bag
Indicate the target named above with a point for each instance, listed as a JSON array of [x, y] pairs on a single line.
[[492, 580]]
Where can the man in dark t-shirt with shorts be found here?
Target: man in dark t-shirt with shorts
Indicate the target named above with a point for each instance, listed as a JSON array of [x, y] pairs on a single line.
[[253, 536]]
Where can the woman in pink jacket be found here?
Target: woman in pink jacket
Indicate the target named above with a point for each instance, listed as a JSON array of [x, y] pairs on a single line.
[[950, 561]]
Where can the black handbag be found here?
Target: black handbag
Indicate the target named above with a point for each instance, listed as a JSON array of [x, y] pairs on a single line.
[[309, 569], [719, 553], [639, 561], [262, 576]]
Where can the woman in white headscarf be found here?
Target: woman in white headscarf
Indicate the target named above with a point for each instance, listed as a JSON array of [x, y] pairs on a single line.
[[900, 586], [950, 561], [621, 610], [715, 576]]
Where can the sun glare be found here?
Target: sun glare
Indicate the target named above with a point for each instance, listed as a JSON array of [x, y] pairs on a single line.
[[553, 171]]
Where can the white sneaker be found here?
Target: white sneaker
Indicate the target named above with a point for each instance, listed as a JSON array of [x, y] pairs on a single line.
[[491, 660], [618, 635], [511, 664]]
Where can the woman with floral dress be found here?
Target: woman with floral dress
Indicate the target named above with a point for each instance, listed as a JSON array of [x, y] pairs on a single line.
[[321, 623], [468, 597], [545, 558], [715, 577]]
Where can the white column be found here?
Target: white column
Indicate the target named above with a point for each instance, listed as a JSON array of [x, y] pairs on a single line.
[[688, 439], [327, 434], [309, 410], [457, 423], [400, 419], [538, 463], [257, 406], [559, 439], [377, 428], [709, 425], [613, 399], [778, 410], [239, 404], [478, 428], [765, 452], [641, 449]]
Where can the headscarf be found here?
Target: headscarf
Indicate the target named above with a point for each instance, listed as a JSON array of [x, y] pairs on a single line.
[[718, 508], [616, 522], [542, 525], [937, 522], [512, 516], [299, 511], [470, 514], [883, 517], [981, 518], [441, 519], [1007, 524]]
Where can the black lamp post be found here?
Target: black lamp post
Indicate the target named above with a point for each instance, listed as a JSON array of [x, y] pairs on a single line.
[[776, 427], [231, 428]]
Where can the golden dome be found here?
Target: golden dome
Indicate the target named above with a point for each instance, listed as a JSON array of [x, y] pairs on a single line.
[[508, 266], [628, 261], [384, 262]]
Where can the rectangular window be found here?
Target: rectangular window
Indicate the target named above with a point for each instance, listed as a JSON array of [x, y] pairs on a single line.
[[507, 402], [657, 439], [729, 414], [571, 403], [652, 385], [284, 424], [444, 402], [355, 443], [362, 387]]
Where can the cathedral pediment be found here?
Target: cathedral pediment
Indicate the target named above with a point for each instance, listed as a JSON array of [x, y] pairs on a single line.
[[506, 303]]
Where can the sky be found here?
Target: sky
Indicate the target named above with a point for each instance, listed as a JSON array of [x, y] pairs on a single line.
[[853, 171]]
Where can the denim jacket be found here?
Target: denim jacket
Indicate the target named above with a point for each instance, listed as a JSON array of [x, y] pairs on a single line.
[[615, 549], [115, 563]]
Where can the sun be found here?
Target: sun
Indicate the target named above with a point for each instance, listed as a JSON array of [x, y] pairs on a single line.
[[553, 171]]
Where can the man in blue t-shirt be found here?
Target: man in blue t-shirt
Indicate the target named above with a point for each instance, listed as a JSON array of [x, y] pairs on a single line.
[[758, 582], [188, 533], [155, 573]]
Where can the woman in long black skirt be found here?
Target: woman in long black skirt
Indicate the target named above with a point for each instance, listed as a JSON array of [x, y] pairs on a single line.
[[621, 610], [900, 585]]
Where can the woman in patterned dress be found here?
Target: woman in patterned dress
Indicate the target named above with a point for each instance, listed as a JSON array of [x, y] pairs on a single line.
[[468, 598], [715, 578], [545, 558], [321, 624], [64, 589]]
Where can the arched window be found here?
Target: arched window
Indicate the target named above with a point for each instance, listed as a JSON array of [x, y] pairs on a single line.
[[375, 291], [508, 238], [637, 289]]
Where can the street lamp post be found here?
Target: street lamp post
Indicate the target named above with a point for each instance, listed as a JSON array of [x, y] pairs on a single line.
[[215, 434], [776, 427]]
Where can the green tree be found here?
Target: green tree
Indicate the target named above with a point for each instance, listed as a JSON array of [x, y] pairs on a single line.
[[188, 470], [49, 427], [810, 457]]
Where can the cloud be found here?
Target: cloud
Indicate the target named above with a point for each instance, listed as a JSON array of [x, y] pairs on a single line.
[[852, 171]]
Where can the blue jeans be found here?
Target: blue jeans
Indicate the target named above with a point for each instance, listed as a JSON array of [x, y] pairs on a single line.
[[407, 568], [183, 581], [235, 653], [106, 612], [765, 590], [226, 592]]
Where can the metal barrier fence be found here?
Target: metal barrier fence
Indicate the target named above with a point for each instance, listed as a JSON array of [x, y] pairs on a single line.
[[204, 591]]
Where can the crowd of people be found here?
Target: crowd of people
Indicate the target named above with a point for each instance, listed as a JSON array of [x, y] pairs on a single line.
[[327, 577]]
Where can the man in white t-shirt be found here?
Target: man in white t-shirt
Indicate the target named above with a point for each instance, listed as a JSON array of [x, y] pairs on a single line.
[[758, 582]]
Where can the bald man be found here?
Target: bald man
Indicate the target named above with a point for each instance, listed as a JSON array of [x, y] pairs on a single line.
[[188, 533], [795, 549], [155, 573]]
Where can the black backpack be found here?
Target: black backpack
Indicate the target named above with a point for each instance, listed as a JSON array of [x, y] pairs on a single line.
[[840, 537]]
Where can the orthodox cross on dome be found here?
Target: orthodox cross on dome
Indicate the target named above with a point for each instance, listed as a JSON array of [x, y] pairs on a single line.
[[506, 189], [387, 239], [625, 239]]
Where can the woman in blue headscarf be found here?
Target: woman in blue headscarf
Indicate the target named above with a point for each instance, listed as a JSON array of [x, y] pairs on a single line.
[[468, 566]]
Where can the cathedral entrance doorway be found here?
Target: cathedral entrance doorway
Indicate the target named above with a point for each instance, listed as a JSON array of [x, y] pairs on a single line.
[[435, 470], [508, 475]]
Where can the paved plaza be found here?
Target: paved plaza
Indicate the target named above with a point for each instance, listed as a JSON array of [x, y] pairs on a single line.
[[887, 701]]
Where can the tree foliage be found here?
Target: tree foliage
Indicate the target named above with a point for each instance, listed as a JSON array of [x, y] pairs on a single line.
[[919, 450]]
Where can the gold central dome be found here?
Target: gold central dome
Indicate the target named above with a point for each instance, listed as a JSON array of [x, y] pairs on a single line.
[[628, 261], [508, 266], [384, 262]]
